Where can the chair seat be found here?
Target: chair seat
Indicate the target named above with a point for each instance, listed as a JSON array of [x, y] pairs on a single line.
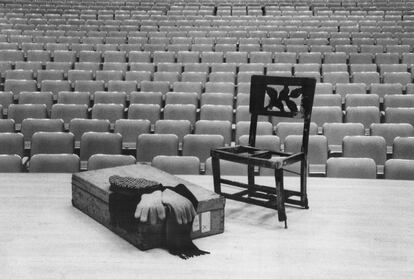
[[248, 154]]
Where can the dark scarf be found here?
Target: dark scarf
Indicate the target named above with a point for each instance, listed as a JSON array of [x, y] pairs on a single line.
[[125, 196]]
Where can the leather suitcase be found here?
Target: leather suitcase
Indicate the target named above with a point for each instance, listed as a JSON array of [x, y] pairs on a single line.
[[90, 194]]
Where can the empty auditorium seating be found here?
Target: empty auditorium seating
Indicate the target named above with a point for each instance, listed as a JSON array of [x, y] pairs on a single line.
[[150, 68]]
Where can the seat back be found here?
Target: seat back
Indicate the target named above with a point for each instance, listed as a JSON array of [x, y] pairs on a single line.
[[130, 129], [177, 164], [12, 143], [201, 145], [151, 145], [351, 168], [365, 146], [399, 169], [6, 125], [54, 163], [99, 143], [10, 163], [101, 161], [403, 148], [52, 143]]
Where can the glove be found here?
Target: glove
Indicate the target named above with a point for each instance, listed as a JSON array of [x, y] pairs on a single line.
[[182, 207], [150, 208]]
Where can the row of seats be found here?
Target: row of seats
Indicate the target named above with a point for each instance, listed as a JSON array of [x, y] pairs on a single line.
[[130, 129], [382, 97], [336, 167], [199, 145], [223, 44], [204, 53], [310, 30], [209, 28], [196, 36], [280, 23], [364, 114], [195, 82], [205, 9], [67, 70], [200, 72], [118, 17]]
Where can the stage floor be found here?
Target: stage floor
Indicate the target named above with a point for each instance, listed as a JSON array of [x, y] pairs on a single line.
[[353, 229]]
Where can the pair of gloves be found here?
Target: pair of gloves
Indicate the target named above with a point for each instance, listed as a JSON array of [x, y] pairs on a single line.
[[153, 197], [152, 207]]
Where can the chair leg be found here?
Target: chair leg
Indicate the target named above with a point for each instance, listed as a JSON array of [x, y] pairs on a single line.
[[215, 163], [250, 178], [303, 185], [280, 199]]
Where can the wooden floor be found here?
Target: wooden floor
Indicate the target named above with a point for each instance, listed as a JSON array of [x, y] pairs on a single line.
[[353, 229]]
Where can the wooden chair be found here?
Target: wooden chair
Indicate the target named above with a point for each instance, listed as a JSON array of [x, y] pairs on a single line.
[[281, 91]]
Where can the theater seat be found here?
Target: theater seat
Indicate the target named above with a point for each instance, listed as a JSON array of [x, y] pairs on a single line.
[[189, 165], [351, 168], [10, 163], [54, 163], [399, 169], [101, 161]]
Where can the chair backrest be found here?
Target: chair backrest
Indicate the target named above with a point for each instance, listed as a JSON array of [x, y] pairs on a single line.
[[177, 127], [12, 143], [6, 125], [398, 101], [177, 164], [399, 115], [355, 100], [318, 150], [54, 163], [32, 125], [52, 143], [363, 114], [351, 168], [101, 161], [335, 132], [78, 126], [151, 145], [73, 97], [112, 112], [399, 169], [19, 112], [403, 148], [389, 131], [201, 145], [215, 127], [243, 128], [130, 129], [365, 146], [10, 163], [274, 96], [99, 142]]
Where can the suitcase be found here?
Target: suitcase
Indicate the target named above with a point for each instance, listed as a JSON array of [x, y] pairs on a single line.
[[90, 194]]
